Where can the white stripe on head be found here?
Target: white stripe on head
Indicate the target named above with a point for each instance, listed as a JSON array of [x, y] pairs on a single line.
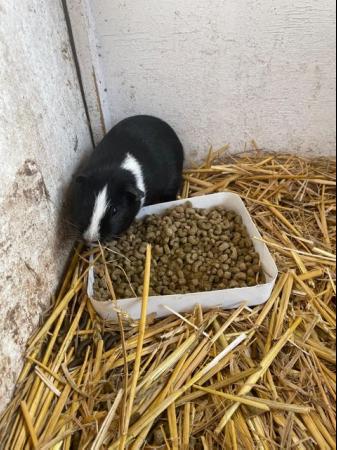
[[132, 165], [101, 205]]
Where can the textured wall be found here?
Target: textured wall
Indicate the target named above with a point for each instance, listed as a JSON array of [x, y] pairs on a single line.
[[43, 131], [224, 71]]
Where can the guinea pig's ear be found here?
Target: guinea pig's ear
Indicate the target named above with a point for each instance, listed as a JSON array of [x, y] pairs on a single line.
[[135, 193], [81, 179]]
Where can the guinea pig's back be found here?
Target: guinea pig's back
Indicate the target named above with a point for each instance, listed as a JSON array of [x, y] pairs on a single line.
[[152, 134], [156, 147]]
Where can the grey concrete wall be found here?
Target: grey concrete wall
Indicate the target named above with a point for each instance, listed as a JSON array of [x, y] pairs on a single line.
[[43, 133]]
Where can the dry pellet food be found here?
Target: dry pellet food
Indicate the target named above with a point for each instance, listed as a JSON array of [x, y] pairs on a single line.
[[194, 250]]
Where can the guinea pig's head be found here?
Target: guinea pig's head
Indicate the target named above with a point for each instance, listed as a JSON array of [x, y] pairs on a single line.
[[104, 206]]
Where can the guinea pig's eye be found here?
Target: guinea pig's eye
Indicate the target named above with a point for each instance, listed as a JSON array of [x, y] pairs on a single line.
[[114, 211]]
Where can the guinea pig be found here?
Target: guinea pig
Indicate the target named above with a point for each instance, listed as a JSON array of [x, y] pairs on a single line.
[[138, 163]]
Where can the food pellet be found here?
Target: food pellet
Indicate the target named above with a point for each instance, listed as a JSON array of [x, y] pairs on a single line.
[[194, 250]]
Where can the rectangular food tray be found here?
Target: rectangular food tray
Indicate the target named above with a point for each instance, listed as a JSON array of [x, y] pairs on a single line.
[[225, 299]]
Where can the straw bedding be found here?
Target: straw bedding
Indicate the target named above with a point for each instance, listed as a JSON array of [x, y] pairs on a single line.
[[261, 378]]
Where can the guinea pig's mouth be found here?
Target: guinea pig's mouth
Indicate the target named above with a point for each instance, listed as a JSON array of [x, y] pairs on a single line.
[[92, 245]]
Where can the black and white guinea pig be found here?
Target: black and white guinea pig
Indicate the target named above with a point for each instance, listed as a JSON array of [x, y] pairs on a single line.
[[138, 163]]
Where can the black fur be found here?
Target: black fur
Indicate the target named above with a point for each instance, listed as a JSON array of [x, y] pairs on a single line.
[[160, 154]]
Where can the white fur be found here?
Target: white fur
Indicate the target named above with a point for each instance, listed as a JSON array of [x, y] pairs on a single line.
[[101, 205], [132, 165]]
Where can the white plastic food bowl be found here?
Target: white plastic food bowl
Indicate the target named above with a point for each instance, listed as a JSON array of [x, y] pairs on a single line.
[[225, 299]]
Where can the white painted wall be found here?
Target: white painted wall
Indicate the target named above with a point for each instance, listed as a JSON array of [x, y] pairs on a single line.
[[43, 133], [224, 71]]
